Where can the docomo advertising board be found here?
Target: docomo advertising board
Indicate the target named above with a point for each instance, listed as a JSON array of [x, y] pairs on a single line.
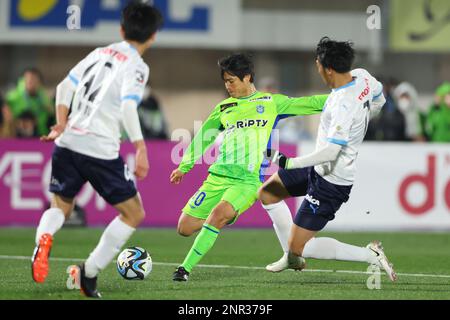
[[398, 186]]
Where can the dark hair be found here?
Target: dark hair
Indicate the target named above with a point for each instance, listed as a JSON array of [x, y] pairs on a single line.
[[237, 64], [140, 21], [338, 56], [27, 115], [34, 71]]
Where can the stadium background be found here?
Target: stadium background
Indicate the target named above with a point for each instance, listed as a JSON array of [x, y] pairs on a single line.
[[282, 36], [402, 184]]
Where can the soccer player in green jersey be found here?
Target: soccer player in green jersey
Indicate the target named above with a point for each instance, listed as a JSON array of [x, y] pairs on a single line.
[[247, 119]]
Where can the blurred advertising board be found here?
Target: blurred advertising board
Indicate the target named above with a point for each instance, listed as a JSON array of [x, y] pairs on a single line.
[[218, 24], [422, 25], [398, 186], [192, 23], [25, 170]]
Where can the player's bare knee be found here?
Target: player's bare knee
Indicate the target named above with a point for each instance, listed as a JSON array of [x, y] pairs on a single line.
[[66, 205], [266, 197], [219, 218], [135, 218], [184, 230], [67, 212], [263, 196], [140, 216]]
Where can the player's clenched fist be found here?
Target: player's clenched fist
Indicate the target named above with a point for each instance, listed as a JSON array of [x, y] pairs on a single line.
[[277, 157], [176, 176]]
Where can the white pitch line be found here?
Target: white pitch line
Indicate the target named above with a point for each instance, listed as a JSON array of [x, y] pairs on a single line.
[[221, 266]]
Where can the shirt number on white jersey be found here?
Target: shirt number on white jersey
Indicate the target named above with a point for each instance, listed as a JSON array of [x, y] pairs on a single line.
[[93, 86]]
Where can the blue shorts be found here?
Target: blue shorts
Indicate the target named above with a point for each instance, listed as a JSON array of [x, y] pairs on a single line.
[[71, 170], [322, 198]]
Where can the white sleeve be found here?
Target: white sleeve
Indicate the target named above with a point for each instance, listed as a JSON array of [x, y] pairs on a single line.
[[378, 99], [377, 104], [133, 86], [341, 123], [326, 154], [64, 92], [134, 81], [131, 120]]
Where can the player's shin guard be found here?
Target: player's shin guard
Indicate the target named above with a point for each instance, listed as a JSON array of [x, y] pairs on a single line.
[[114, 237], [51, 221], [282, 222], [329, 248], [202, 244]]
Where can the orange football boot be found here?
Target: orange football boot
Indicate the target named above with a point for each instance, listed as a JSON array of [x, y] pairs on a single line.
[[39, 265]]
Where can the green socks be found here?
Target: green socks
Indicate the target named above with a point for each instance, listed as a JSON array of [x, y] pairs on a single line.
[[202, 244]]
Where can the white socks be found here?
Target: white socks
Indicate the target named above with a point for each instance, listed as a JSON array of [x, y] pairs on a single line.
[[329, 248], [282, 222], [51, 221], [112, 240]]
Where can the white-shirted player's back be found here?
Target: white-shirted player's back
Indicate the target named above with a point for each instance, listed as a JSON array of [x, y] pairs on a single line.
[[344, 121], [104, 79]]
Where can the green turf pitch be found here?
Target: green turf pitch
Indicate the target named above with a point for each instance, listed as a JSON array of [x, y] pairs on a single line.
[[233, 269]]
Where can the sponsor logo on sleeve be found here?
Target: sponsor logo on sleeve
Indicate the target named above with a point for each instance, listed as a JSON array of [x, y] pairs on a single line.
[[224, 107], [140, 77]]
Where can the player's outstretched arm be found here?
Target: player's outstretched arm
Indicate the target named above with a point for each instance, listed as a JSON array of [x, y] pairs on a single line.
[[201, 142], [326, 154], [64, 94], [277, 157], [299, 106]]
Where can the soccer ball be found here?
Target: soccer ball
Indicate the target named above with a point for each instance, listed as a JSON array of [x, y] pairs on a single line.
[[134, 263]]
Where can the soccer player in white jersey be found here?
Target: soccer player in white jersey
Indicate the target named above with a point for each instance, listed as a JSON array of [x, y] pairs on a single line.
[[99, 96], [325, 177]]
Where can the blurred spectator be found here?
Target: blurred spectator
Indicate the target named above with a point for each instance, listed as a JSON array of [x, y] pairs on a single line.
[[26, 125], [6, 120], [30, 96], [153, 122], [268, 84], [437, 121], [390, 124], [291, 130], [406, 98]]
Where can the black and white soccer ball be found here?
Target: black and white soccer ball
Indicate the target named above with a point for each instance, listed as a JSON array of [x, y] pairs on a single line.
[[134, 263]]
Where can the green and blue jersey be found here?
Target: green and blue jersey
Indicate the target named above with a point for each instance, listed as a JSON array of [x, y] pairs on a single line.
[[247, 124]]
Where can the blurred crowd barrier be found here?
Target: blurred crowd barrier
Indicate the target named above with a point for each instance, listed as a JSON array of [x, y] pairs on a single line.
[[399, 186]]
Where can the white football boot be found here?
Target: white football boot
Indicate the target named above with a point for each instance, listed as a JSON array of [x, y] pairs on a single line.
[[296, 263], [73, 281], [383, 262]]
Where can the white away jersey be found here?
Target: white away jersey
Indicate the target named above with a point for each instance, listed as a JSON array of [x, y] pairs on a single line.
[[344, 121], [105, 78]]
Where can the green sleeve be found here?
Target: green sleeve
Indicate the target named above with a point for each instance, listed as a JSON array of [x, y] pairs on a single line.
[[202, 141], [299, 106]]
